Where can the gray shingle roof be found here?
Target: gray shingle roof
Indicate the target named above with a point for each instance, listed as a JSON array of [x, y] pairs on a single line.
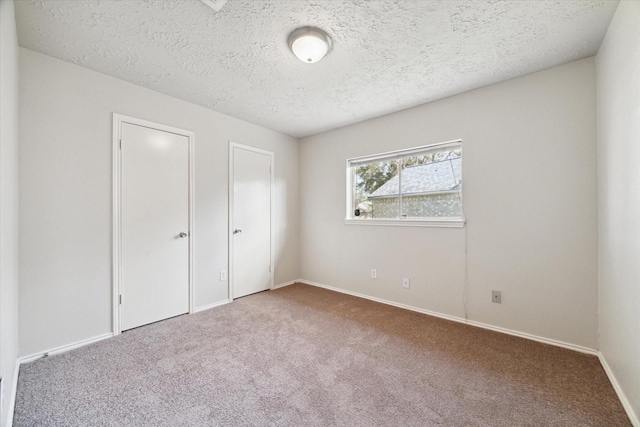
[[430, 178]]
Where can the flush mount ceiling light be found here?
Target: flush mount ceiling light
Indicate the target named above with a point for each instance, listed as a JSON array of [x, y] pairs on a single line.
[[214, 4], [309, 44]]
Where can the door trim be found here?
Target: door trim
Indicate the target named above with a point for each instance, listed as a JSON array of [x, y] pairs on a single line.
[[233, 145], [118, 120]]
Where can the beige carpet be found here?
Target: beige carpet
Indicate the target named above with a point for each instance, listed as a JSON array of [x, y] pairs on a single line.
[[304, 356]]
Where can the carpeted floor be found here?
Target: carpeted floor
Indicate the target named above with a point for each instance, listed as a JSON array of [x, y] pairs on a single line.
[[304, 356]]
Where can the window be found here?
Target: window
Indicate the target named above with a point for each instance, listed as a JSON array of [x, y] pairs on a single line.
[[417, 186]]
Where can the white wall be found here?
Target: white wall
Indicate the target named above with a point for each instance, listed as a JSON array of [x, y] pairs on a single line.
[[8, 204], [65, 195], [618, 71], [530, 199]]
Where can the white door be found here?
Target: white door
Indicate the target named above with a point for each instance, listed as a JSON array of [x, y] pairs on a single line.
[[250, 220], [154, 225]]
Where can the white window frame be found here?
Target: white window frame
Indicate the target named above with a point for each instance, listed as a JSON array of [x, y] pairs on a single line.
[[447, 222]]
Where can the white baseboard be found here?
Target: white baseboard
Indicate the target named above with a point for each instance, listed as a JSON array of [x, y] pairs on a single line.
[[616, 386], [460, 319], [282, 285], [550, 341], [383, 301], [614, 382], [210, 306], [35, 356], [12, 398], [63, 348]]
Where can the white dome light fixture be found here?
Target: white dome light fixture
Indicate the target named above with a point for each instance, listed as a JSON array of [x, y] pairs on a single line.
[[309, 44]]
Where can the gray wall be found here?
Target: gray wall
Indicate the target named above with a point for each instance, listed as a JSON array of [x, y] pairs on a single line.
[[8, 204], [530, 200], [618, 70], [65, 196], [532, 138]]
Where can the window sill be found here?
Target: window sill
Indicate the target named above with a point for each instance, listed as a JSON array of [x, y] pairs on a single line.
[[423, 222]]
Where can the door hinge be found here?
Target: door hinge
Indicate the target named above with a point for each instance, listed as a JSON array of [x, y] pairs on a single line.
[[121, 144], [120, 299]]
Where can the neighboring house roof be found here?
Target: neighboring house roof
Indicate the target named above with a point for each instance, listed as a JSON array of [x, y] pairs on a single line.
[[434, 177]]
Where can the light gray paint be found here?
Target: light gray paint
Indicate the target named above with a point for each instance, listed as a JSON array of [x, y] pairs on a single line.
[[618, 68], [65, 196], [530, 202], [8, 204], [387, 56]]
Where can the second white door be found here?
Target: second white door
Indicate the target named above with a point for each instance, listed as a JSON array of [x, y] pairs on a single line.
[[154, 225], [250, 220]]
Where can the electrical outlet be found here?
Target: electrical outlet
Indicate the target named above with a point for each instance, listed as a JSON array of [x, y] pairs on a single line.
[[405, 282], [223, 275], [496, 296], [374, 273]]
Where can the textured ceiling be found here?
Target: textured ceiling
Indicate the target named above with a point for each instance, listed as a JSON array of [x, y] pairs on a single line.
[[387, 55]]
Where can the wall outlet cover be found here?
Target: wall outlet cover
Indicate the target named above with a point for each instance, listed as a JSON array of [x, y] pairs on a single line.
[[496, 296]]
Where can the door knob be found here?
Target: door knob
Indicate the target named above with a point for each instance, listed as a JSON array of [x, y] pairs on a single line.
[[236, 231], [182, 234]]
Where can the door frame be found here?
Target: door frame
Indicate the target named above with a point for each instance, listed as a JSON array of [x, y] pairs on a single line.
[[233, 145], [118, 120]]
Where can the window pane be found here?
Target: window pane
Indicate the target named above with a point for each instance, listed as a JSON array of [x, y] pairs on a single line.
[[432, 184], [417, 183], [374, 178]]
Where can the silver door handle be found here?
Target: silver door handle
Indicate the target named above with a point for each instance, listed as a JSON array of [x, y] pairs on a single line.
[[236, 231], [182, 234]]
